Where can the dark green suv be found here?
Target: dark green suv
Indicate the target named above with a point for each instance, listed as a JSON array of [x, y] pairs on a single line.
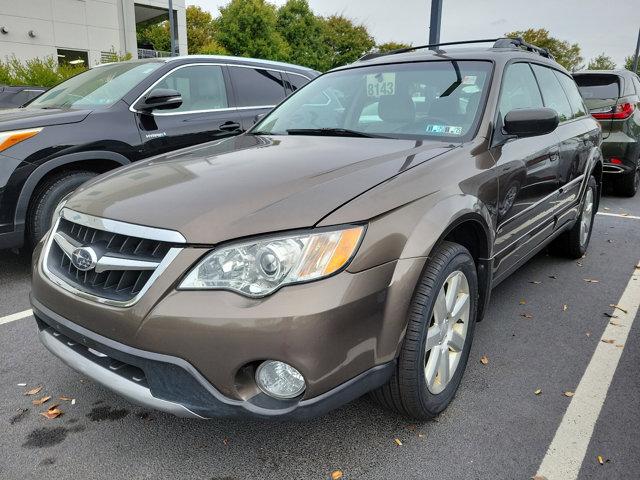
[[613, 98]]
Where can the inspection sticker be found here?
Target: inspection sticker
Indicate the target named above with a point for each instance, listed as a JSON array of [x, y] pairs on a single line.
[[380, 84], [444, 129]]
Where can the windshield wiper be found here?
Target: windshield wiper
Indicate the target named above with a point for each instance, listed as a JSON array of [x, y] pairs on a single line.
[[332, 132]]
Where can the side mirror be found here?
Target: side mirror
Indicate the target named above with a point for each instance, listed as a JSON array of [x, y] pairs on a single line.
[[530, 122], [258, 117], [161, 99]]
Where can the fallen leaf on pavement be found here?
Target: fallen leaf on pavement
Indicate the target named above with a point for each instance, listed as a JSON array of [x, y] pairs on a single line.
[[52, 412], [591, 280], [610, 315], [613, 305], [73, 401], [526, 315], [420, 435], [336, 475], [568, 393], [484, 359], [555, 277], [42, 400], [615, 324], [588, 334], [65, 398], [565, 307], [638, 266], [535, 282], [600, 460], [538, 391], [579, 264], [33, 391], [608, 340], [620, 345], [523, 302], [398, 442], [22, 384], [538, 477]]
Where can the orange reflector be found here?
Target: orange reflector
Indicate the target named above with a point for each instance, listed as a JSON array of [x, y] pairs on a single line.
[[13, 138], [344, 249]]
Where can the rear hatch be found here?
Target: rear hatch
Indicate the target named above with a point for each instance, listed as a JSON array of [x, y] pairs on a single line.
[[601, 92]]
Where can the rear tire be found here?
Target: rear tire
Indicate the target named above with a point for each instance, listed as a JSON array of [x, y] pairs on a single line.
[[574, 243], [46, 199], [440, 327], [629, 183]]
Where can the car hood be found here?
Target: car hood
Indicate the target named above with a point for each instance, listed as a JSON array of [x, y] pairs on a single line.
[[249, 184], [21, 118]]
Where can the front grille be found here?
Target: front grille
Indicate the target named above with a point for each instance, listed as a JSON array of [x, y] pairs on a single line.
[[120, 285]]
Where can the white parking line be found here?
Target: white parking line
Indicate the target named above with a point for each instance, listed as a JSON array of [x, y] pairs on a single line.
[[618, 215], [569, 446], [15, 316]]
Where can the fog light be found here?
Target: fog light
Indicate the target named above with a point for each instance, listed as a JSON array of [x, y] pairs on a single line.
[[279, 380]]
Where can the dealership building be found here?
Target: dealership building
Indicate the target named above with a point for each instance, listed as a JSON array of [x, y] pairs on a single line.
[[83, 31]]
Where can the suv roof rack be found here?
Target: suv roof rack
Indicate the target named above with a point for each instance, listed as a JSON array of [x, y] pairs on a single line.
[[516, 42]]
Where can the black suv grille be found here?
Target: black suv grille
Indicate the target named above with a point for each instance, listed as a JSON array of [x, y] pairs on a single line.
[[118, 285]]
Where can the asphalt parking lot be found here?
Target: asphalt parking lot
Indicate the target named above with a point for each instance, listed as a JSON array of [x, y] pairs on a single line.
[[544, 326]]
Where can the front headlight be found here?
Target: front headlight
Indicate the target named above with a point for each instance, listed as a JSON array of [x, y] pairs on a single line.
[[9, 139], [258, 268]]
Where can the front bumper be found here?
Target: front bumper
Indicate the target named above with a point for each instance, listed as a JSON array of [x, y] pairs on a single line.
[[172, 385]]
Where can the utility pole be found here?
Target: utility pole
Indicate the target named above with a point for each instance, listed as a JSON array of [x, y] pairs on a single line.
[[172, 29], [635, 58], [434, 22]]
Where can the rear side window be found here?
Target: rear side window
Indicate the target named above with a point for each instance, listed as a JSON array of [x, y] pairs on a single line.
[[636, 83], [519, 89], [575, 100], [257, 87], [600, 87], [552, 92], [201, 87], [297, 81]]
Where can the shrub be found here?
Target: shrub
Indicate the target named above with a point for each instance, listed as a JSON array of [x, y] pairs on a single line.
[[41, 72]]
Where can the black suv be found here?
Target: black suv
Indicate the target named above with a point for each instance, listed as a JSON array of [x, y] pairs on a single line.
[[117, 113]]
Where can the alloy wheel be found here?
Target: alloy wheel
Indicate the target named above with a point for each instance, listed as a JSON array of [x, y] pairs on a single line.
[[587, 216], [447, 332]]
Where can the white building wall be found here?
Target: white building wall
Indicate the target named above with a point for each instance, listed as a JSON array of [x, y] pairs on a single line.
[[93, 26]]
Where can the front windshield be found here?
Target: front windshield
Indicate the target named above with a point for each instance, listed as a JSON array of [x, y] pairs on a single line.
[[99, 87], [436, 99]]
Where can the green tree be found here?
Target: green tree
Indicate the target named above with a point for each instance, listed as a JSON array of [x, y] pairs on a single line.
[[248, 28], [201, 28], [304, 32], [156, 34], [390, 46], [601, 62], [566, 54], [346, 40], [628, 64]]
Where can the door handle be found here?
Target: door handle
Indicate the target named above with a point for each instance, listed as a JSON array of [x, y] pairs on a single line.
[[229, 126]]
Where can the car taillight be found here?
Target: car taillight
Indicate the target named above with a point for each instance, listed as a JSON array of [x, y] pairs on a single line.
[[618, 112], [615, 160]]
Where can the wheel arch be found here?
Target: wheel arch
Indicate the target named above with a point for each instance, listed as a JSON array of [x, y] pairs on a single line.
[[95, 161]]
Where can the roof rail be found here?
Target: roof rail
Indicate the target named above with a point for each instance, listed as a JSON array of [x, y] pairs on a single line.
[[517, 42]]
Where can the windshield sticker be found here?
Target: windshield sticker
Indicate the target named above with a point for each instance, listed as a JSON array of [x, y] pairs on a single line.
[[444, 129], [381, 84], [469, 80]]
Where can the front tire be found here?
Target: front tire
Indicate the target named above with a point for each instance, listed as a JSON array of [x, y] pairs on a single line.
[[440, 329], [46, 199]]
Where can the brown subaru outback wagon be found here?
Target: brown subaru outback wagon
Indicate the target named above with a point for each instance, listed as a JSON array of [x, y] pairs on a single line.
[[347, 244]]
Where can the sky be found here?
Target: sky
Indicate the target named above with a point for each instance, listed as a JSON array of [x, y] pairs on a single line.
[[596, 25]]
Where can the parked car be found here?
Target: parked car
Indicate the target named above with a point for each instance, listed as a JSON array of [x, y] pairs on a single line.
[[115, 114], [347, 243], [14, 97], [613, 98]]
